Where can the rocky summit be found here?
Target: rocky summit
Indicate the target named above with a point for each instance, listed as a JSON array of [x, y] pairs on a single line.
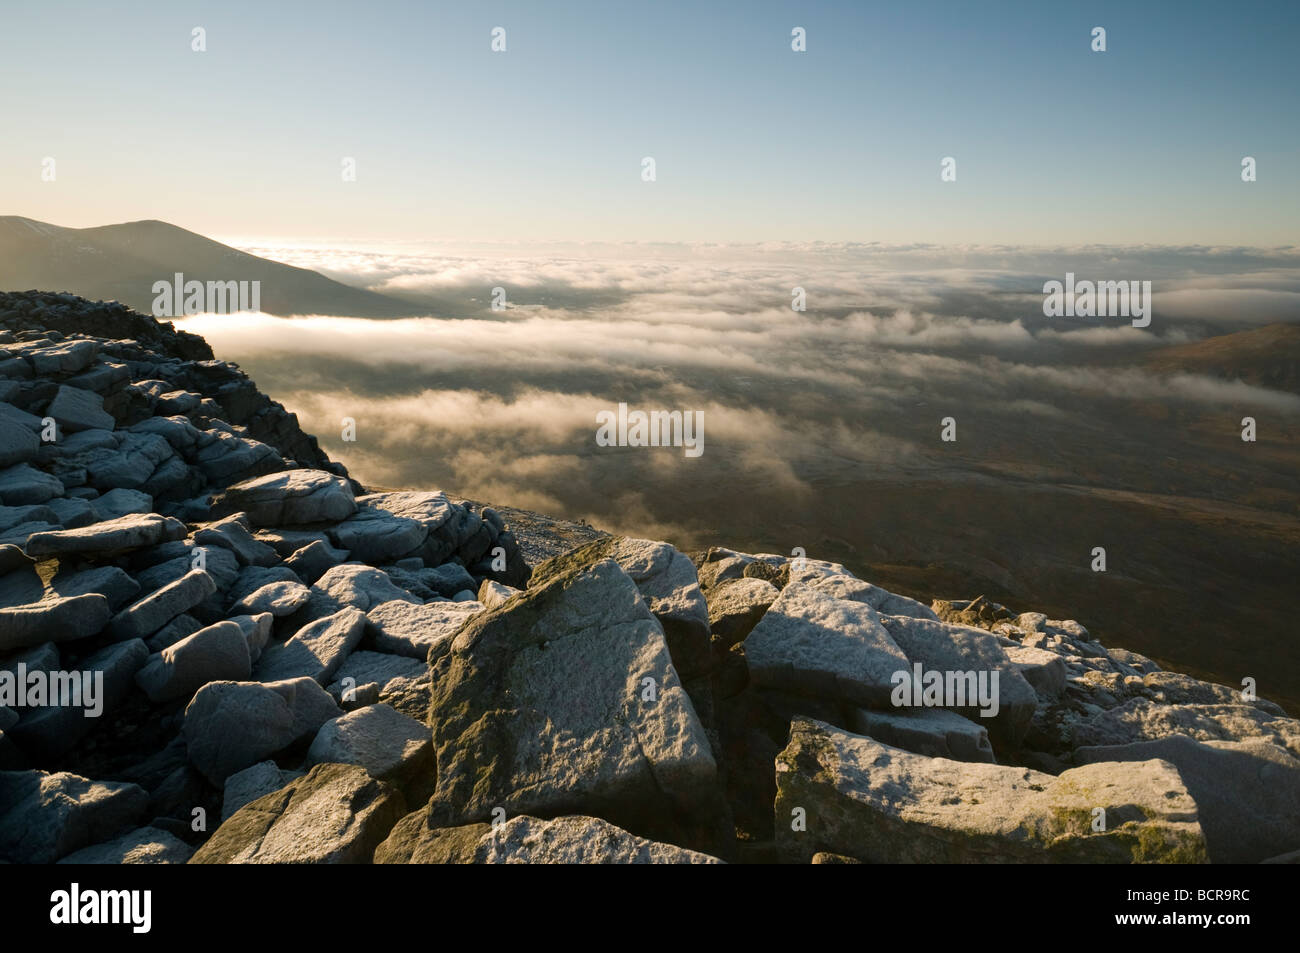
[[216, 646]]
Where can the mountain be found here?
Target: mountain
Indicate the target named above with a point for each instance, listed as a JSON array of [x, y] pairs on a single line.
[[1266, 357], [122, 262]]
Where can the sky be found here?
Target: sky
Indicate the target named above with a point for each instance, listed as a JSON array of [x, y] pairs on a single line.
[[752, 142]]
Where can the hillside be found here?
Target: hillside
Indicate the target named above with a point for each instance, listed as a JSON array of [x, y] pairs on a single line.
[[122, 262]]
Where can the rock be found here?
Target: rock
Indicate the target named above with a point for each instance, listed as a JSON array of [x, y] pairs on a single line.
[[816, 644], [388, 744], [365, 667], [1247, 793], [290, 497], [932, 732], [107, 538], [941, 647], [12, 558], [537, 707], [218, 653], [244, 787], [336, 814], [737, 605], [1043, 670], [412, 629], [353, 585], [122, 502], [72, 512], [231, 725], [75, 409], [835, 580], [17, 443], [315, 559], [317, 650], [46, 816], [53, 620], [155, 610], [231, 534], [175, 630], [257, 632], [278, 598], [49, 733], [253, 578], [1173, 688], [884, 805], [1141, 719], [492, 593], [666, 580], [22, 484], [145, 845], [527, 840], [109, 581], [375, 535]]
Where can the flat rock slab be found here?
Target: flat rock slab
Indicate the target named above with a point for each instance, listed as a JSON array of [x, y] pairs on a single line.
[[218, 653], [291, 497], [231, 725], [317, 650], [932, 732], [355, 585], [835, 580], [566, 698], [75, 409], [527, 840], [109, 537], [1140, 719], [278, 598], [46, 816], [409, 629], [885, 805], [24, 485], [141, 619], [813, 643], [1247, 793], [145, 845], [336, 814], [737, 605], [53, 620]]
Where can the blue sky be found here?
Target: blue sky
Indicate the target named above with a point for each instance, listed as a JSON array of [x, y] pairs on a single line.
[[1055, 144]]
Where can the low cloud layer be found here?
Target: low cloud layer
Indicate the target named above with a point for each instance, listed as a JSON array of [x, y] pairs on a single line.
[[502, 405]]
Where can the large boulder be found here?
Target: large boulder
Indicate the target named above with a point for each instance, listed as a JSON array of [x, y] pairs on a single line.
[[527, 840], [813, 643], [391, 746], [218, 653], [933, 732], [847, 794], [229, 726], [148, 615], [76, 409], [335, 814], [565, 699], [46, 816], [288, 498], [958, 650], [1247, 793], [53, 620], [667, 582], [412, 629], [108, 538]]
